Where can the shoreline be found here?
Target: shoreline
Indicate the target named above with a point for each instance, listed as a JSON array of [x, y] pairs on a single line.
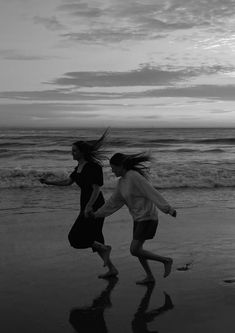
[[39, 200]]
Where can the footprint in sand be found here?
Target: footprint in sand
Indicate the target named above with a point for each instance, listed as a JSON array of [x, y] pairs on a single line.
[[186, 267], [229, 281]]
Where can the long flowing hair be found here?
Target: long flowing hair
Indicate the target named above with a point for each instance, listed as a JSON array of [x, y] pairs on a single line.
[[92, 150], [133, 162]]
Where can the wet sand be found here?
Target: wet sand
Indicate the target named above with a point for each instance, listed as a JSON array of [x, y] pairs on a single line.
[[47, 286]]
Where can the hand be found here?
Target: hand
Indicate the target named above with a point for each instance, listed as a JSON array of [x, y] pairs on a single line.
[[91, 214], [172, 212], [88, 211]]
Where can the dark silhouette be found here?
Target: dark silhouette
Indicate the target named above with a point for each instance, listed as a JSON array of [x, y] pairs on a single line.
[[88, 175], [142, 318], [90, 319]]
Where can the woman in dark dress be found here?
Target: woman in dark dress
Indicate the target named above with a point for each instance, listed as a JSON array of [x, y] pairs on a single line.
[[88, 175]]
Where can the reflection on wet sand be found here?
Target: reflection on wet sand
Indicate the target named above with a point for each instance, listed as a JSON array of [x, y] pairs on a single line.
[[90, 319], [142, 317]]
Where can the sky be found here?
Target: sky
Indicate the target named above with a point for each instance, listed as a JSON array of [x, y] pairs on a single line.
[[151, 63]]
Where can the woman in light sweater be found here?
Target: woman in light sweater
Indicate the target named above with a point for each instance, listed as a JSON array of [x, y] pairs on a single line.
[[142, 199]]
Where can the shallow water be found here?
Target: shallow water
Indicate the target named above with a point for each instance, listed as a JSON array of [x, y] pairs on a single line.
[[46, 199]]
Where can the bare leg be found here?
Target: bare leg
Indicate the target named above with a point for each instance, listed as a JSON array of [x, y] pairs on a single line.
[[104, 250], [138, 251], [149, 278], [112, 270]]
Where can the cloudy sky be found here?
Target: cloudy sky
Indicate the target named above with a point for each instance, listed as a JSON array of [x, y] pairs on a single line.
[[151, 63]]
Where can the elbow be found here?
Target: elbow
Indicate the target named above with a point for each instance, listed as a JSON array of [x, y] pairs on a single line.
[[98, 215]]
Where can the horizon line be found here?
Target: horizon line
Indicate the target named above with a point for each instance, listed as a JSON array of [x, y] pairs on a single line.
[[116, 127]]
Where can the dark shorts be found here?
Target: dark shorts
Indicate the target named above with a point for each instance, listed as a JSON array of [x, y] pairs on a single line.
[[143, 230]]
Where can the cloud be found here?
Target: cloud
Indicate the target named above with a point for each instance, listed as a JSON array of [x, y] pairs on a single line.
[[145, 75], [48, 109], [51, 23], [221, 111], [169, 12], [18, 55], [205, 11], [134, 84], [210, 92], [116, 21], [45, 114], [82, 9], [57, 95], [101, 36], [215, 92]]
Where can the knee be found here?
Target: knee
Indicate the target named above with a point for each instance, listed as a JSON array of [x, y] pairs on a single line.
[[134, 250]]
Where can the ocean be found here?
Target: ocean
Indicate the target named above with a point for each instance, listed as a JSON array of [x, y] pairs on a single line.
[[191, 167]]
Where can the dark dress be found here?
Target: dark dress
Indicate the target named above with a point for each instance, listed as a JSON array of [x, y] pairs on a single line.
[[87, 230]]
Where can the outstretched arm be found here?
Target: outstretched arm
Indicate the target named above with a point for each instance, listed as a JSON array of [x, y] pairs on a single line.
[[63, 182]]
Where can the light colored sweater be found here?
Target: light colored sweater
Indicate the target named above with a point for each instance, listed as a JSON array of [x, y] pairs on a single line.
[[141, 198]]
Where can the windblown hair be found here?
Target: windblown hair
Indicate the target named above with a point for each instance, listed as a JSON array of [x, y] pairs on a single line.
[[132, 162], [92, 149]]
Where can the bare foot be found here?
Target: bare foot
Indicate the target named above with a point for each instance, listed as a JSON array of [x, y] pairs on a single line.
[[106, 254], [147, 280], [110, 274], [168, 266]]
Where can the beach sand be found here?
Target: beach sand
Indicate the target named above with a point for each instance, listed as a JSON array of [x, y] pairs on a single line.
[[47, 286]]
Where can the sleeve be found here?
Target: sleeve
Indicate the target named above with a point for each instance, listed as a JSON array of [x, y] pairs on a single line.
[[114, 203], [95, 175], [149, 192]]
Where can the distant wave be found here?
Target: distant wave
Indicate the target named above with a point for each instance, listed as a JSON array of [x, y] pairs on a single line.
[[16, 144], [148, 142], [218, 150], [124, 142], [22, 153], [189, 150], [42, 153], [228, 141]]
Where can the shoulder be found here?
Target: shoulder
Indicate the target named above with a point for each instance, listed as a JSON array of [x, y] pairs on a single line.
[[135, 178], [132, 174]]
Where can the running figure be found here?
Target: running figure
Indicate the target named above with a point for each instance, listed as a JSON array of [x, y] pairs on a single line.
[[135, 191], [88, 175]]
